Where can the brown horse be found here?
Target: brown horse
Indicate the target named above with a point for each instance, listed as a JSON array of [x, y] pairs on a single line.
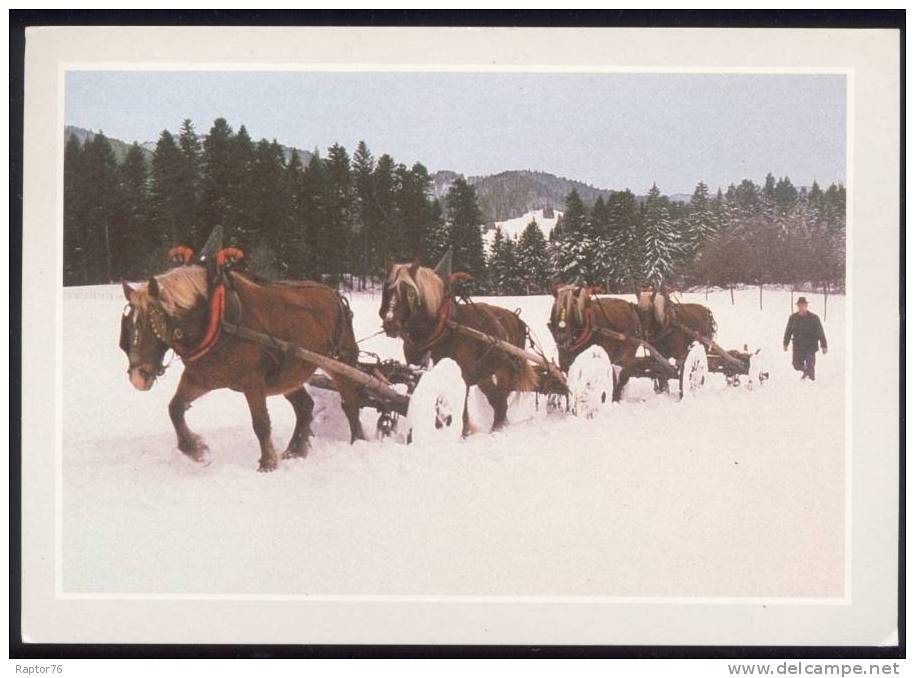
[[171, 311], [660, 317], [414, 306], [575, 316]]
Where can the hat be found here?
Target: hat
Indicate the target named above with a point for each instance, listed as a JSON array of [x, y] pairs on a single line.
[[801, 300]]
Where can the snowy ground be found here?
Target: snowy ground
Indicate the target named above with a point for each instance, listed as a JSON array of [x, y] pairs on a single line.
[[731, 493], [513, 228]]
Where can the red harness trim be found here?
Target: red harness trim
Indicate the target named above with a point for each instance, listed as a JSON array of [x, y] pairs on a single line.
[[586, 331], [213, 325], [441, 324]]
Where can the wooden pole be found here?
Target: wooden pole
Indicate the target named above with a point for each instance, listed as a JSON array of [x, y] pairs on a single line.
[[398, 401], [652, 351], [713, 347], [508, 347]]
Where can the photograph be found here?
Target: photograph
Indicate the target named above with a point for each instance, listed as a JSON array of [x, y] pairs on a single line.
[[458, 334], [440, 336]]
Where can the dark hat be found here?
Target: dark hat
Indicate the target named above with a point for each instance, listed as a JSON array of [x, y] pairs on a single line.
[[801, 300]]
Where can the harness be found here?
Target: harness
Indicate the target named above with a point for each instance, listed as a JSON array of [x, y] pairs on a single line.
[[442, 316], [587, 330]]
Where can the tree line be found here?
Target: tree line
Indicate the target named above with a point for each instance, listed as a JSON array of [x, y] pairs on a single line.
[[749, 234], [338, 217]]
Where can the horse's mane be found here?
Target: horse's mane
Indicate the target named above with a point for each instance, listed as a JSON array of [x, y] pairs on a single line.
[[180, 290], [428, 285], [566, 299]]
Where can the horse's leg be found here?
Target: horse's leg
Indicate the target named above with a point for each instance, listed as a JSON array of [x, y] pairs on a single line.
[[260, 419], [303, 405], [188, 442], [496, 391], [349, 402]]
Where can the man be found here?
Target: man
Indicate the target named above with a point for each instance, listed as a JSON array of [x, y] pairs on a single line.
[[806, 330]]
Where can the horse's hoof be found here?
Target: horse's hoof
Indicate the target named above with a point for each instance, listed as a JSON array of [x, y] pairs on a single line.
[[295, 454], [266, 467]]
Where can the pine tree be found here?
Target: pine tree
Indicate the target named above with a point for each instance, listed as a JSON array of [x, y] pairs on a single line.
[[166, 206], [622, 256], [138, 239], [576, 249], [216, 181], [75, 218], [241, 227], [700, 223], [336, 234], [502, 264], [313, 205], [188, 202], [662, 248], [103, 226], [291, 252], [364, 208], [383, 230], [438, 235], [465, 222], [532, 260]]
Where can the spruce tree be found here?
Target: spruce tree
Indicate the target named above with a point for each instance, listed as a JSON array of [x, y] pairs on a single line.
[[76, 227], [661, 242], [166, 206], [532, 259], [103, 225], [364, 209], [188, 201], [216, 181], [138, 240], [336, 234], [465, 221]]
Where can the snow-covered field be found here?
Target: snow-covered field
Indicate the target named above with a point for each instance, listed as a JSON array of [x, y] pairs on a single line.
[[731, 493]]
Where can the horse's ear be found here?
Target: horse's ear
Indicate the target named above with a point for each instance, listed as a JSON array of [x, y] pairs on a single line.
[[414, 267], [128, 290], [556, 287], [153, 288], [597, 289], [388, 264]]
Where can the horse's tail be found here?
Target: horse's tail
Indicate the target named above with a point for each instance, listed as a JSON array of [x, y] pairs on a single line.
[[527, 379]]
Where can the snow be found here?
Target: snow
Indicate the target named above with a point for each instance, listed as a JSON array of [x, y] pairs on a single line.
[[513, 228], [733, 492]]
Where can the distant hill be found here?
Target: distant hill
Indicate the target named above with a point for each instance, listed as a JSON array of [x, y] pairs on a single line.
[[120, 147], [511, 194]]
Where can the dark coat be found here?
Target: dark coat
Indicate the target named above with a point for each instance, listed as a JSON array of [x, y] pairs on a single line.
[[807, 332]]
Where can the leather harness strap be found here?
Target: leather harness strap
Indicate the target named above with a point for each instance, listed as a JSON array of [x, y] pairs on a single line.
[[586, 331], [441, 325]]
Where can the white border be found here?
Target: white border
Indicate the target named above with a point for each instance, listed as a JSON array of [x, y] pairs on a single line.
[[870, 60]]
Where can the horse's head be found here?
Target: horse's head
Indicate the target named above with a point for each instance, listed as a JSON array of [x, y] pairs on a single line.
[[150, 324], [410, 291], [567, 317]]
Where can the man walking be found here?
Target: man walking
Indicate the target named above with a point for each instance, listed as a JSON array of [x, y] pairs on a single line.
[[806, 330]]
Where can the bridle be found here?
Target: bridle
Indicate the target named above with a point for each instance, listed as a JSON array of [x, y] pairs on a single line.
[[161, 328]]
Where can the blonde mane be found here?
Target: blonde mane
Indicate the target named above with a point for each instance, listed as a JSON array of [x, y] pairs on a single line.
[[428, 285], [567, 300], [180, 290]]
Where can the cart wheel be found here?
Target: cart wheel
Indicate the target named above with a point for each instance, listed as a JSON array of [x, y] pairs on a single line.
[[591, 382], [436, 410], [760, 368], [693, 370]]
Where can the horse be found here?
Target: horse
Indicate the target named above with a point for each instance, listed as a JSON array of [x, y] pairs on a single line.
[[416, 305], [172, 310], [660, 319], [577, 313]]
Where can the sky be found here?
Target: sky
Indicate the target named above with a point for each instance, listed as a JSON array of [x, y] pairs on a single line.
[[611, 130]]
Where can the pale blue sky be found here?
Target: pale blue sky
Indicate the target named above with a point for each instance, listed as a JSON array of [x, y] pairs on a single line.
[[610, 130]]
